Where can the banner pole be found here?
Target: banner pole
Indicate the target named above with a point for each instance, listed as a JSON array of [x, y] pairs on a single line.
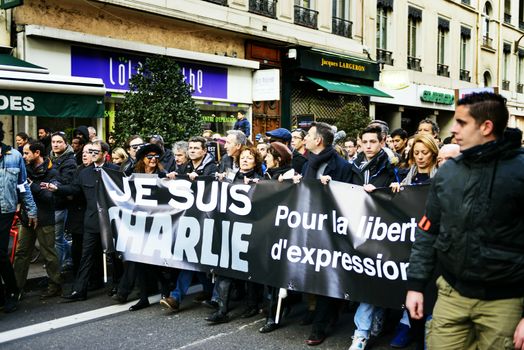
[[104, 261], [282, 293]]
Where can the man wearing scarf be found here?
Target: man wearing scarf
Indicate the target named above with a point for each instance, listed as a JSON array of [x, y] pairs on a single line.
[[323, 164], [371, 169]]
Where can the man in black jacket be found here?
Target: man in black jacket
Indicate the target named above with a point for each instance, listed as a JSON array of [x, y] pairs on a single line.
[[323, 164], [64, 162], [474, 228], [39, 169], [85, 183], [201, 163]]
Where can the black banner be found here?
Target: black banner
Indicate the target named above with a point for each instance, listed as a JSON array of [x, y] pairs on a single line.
[[335, 240]]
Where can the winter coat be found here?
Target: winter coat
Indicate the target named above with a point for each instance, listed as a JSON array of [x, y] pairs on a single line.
[[473, 225]]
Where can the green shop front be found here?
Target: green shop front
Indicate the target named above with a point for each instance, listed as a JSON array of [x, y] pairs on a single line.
[[28, 91], [316, 84]]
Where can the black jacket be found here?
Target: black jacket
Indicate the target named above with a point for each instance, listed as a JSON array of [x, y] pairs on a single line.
[[85, 183], [208, 167], [65, 165], [76, 210], [473, 225], [44, 200], [168, 160], [337, 167], [378, 172], [298, 161]]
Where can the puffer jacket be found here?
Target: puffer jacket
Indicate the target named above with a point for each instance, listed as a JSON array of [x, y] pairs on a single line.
[[473, 225]]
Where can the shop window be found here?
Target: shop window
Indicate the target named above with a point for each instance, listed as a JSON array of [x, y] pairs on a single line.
[[341, 24]]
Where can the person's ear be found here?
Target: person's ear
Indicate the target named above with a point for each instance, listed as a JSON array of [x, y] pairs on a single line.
[[487, 127]]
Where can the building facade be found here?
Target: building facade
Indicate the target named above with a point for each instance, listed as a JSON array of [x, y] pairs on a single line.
[[432, 52], [286, 62], [220, 45]]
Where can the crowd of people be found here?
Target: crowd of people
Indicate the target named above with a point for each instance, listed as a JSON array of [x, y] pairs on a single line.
[[59, 195]]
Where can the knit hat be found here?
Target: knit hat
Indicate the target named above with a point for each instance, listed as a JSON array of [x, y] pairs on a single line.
[[283, 151]]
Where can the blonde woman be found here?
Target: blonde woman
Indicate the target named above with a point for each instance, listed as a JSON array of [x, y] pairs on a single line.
[[422, 158]]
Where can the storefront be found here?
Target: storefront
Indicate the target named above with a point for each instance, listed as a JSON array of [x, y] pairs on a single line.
[[317, 84], [220, 85], [412, 103], [29, 90]]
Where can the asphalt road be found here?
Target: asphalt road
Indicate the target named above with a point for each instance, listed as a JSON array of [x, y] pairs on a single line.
[[99, 323]]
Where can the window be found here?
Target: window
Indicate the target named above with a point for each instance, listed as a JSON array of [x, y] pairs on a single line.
[[305, 15], [443, 29], [384, 7], [414, 18], [487, 79], [305, 3], [521, 14], [507, 11], [486, 14], [505, 65], [465, 37], [520, 71], [341, 25]]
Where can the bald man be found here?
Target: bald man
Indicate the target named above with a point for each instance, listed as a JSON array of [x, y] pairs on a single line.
[[450, 150]]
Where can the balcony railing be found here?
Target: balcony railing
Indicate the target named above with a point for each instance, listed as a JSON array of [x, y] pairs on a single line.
[[487, 41], [342, 27], [218, 2], [520, 88], [414, 64], [464, 75], [507, 18], [306, 17], [505, 85], [384, 56], [266, 8], [442, 70]]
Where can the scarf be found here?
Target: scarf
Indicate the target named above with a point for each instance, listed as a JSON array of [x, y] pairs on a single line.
[[316, 160]]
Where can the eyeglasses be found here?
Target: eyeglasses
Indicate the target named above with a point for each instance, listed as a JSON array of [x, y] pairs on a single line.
[[151, 156], [297, 130], [94, 152], [137, 146]]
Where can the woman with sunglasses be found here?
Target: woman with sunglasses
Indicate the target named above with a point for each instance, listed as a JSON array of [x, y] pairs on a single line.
[[147, 162]]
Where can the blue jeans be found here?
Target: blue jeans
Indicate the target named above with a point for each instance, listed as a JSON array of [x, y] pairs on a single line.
[[364, 319], [184, 282], [63, 249]]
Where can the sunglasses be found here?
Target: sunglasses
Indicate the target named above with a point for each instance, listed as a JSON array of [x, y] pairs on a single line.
[[151, 156], [135, 147], [94, 152]]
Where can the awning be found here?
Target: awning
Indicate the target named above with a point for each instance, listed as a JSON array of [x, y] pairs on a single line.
[[340, 87], [8, 62], [25, 89]]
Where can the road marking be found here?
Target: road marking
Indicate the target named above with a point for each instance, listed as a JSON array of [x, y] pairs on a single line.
[[46, 326], [219, 335]]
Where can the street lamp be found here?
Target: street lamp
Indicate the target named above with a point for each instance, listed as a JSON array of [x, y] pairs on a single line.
[[516, 49]]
